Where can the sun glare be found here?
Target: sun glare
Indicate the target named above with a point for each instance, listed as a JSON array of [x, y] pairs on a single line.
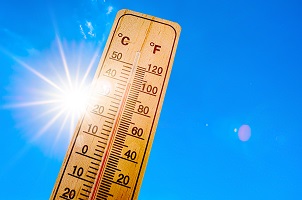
[[53, 90], [75, 100]]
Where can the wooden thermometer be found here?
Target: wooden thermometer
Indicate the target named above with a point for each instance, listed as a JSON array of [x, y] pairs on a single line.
[[108, 154]]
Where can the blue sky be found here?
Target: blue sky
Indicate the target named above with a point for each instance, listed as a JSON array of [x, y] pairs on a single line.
[[237, 63]]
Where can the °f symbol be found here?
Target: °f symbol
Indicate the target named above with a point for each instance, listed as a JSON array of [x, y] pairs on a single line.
[[156, 47]]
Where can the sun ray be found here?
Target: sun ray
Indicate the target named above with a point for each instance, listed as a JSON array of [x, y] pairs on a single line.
[[60, 79], [47, 112], [62, 54], [38, 74], [78, 72], [31, 103], [72, 126], [48, 125], [90, 67], [59, 133]]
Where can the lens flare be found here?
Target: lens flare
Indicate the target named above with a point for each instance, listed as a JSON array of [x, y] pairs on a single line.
[[244, 133]]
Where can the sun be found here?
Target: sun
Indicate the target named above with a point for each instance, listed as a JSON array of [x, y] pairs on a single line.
[[54, 90], [75, 100]]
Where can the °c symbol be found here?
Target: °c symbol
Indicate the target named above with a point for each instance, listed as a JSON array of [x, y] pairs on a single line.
[[156, 47], [125, 40]]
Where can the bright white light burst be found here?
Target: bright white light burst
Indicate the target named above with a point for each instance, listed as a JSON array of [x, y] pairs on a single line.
[[75, 100], [54, 94]]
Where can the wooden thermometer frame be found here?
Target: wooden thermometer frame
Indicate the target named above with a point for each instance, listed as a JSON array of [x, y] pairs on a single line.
[[108, 153]]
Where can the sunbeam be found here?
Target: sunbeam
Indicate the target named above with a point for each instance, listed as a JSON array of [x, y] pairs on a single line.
[[63, 57], [32, 103], [46, 126], [38, 74]]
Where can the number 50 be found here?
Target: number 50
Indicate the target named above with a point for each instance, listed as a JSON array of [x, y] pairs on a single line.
[[116, 55]]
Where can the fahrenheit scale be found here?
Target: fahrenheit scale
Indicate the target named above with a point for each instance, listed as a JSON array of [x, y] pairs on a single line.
[[108, 153]]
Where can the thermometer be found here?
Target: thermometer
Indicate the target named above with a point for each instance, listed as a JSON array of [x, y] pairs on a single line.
[[108, 153]]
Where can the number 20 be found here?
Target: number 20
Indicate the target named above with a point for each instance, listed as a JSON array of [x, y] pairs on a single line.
[[69, 194]]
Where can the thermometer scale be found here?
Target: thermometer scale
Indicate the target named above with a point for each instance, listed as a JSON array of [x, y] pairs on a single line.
[[108, 153]]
